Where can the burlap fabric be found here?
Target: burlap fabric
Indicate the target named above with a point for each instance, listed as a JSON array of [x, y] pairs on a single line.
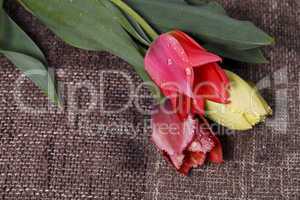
[[54, 154]]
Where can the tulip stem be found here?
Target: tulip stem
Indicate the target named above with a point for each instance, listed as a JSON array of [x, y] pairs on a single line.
[[127, 9]]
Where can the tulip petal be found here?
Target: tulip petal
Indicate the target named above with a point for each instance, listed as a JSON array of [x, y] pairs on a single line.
[[211, 83], [167, 64], [170, 133], [198, 105], [172, 97], [177, 160], [183, 106], [184, 38], [204, 142], [216, 154], [197, 55], [205, 136], [192, 160]]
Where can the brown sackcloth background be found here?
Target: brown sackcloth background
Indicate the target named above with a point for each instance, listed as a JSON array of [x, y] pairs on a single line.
[[65, 155]]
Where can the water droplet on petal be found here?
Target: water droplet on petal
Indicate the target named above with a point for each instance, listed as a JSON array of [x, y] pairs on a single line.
[[170, 61], [188, 71]]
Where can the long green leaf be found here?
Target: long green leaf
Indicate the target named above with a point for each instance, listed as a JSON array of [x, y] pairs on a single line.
[[35, 70], [13, 38], [88, 25], [209, 25], [138, 28], [25, 55], [124, 21], [250, 56]]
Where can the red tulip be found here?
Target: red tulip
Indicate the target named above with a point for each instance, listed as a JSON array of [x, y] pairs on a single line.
[[186, 73], [185, 143]]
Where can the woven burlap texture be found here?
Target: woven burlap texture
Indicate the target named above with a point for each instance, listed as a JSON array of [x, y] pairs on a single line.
[[58, 154]]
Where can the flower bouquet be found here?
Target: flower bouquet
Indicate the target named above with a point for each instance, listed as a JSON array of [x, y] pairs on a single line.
[[177, 45]]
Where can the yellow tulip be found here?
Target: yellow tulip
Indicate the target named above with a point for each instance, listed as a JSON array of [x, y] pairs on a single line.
[[246, 108]]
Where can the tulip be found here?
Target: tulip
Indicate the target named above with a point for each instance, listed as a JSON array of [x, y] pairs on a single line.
[[186, 73], [184, 143], [246, 108]]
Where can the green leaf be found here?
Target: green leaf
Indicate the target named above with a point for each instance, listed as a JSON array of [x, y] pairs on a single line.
[[210, 26], [35, 70], [250, 56], [124, 21], [25, 55], [138, 28], [139, 19], [13, 38], [88, 25], [205, 4], [197, 2], [214, 7]]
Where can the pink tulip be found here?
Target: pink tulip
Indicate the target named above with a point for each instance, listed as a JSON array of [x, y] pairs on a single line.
[[186, 73]]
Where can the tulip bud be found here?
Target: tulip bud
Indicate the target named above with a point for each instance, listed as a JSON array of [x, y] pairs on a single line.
[[246, 108]]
